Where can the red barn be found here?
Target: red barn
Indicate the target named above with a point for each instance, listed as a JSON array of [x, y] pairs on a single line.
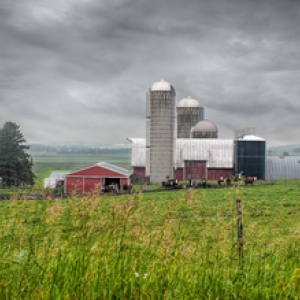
[[103, 173]]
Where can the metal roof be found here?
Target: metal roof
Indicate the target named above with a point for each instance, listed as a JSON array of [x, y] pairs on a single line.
[[205, 126], [106, 166], [251, 137], [58, 175], [217, 152], [285, 167], [113, 168], [189, 102], [161, 85]]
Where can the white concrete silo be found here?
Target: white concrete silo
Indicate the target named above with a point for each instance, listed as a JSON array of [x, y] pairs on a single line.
[[161, 131]]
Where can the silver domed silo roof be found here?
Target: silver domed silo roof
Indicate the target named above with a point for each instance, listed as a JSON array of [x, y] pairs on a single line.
[[161, 85], [189, 102], [205, 126]]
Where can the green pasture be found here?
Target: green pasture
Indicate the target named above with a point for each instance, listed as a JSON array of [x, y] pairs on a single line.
[[44, 163], [168, 245]]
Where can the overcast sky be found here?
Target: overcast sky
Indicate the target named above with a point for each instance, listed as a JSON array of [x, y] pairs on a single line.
[[78, 70]]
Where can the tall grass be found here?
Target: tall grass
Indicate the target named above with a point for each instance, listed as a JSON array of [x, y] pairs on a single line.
[[138, 247]]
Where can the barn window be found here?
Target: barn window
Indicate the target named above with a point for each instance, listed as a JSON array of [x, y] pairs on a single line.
[[190, 163]]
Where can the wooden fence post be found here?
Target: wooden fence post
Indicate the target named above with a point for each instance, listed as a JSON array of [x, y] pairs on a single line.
[[239, 228]]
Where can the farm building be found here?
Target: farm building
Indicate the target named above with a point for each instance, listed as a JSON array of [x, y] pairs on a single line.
[[101, 173], [249, 154], [282, 167], [55, 179], [195, 158], [181, 144]]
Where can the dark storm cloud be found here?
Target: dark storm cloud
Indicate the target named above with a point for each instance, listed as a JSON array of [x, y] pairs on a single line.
[[78, 71]]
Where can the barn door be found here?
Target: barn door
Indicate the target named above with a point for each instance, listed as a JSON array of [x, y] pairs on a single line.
[[109, 181]]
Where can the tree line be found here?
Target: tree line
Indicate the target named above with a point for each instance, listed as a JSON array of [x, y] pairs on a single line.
[[65, 150], [93, 151]]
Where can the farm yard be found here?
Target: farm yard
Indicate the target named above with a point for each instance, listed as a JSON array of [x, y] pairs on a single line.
[[169, 245]]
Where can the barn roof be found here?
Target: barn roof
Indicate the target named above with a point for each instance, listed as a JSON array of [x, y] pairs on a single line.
[[113, 168], [106, 166]]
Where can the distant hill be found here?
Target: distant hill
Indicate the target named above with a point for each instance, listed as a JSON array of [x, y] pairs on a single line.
[[96, 148], [77, 149], [279, 150]]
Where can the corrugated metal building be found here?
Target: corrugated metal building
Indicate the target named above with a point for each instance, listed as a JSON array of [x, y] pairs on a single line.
[[139, 160], [55, 179], [195, 158], [284, 167], [101, 173]]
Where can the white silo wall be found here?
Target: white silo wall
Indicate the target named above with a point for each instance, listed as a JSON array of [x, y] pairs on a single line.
[[147, 161], [162, 134], [148, 104], [148, 116]]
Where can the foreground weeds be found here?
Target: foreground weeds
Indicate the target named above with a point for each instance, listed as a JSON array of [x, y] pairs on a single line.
[[180, 247]]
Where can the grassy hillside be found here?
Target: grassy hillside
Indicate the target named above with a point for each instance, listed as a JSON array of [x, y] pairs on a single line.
[[172, 245]]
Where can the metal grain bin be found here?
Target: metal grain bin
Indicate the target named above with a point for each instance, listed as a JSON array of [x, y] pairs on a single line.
[[250, 156]]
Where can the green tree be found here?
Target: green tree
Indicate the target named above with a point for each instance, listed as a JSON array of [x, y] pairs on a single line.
[[15, 163], [285, 153]]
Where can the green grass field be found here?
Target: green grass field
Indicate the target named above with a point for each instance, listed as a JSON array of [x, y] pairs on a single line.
[[167, 245], [74, 162]]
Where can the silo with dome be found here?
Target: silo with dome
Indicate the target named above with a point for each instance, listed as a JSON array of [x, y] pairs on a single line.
[[204, 129], [161, 131], [189, 113]]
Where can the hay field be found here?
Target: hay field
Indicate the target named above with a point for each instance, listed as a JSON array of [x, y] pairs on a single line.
[[171, 245]]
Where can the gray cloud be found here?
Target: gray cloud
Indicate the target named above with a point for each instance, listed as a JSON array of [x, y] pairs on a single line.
[[78, 71]]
